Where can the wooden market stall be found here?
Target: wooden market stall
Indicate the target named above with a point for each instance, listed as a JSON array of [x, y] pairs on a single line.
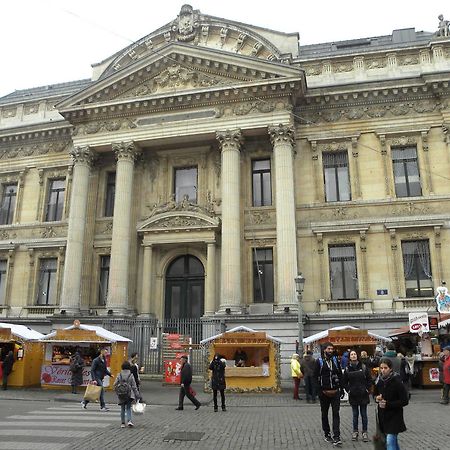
[[28, 353], [345, 337], [259, 352], [88, 340]]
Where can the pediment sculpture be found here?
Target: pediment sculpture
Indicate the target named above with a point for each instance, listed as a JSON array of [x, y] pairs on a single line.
[[186, 24], [184, 205]]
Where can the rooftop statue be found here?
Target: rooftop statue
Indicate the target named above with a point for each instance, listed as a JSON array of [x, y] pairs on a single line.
[[444, 25]]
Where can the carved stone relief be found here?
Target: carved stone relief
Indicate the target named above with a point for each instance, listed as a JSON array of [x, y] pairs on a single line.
[[184, 205], [33, 148], [104, 126], [262, 106]]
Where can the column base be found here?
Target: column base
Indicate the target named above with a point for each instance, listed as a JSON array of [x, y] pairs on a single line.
[[67, 311], [286, 308], [229, 310], [119, 311]]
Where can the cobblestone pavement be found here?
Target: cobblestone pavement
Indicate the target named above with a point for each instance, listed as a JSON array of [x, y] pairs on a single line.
[[252, 422]]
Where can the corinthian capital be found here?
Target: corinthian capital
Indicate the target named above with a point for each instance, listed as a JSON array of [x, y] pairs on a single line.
[[230, 139], [82, 155], [280, 134], [125, 150]]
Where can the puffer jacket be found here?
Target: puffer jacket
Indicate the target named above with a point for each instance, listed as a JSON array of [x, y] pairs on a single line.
[[295, 368]]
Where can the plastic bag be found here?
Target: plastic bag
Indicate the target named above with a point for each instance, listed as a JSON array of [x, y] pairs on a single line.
[[138, 407]]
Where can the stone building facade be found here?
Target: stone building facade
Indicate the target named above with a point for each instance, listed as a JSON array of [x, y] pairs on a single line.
[[203, 167]]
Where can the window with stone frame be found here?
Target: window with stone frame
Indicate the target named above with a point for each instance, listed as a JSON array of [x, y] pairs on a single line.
[[47, 282], [8, 207], [103, 279], [343, 272], [110, 194], [406, 172], [263, 281], [261, 182], [3, 269], [417, 268], [336, 176], [186, 184], [55, 200]]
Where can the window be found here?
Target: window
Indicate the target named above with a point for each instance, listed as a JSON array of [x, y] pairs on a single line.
[[343, 274], [263, 275], [55, 204], [110, 194], [336, 177], [417, 269], [3, 266], [8, 203], [47, 281], [262, 189], [406, 172], [186, 184], [103, 281]]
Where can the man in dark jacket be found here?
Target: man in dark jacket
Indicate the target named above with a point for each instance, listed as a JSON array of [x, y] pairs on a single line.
[[7, 366], [307, 367], [98, 372], [185, 384], [328, 374]]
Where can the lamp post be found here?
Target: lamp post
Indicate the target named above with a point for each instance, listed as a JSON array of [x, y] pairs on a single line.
[[299, 286]]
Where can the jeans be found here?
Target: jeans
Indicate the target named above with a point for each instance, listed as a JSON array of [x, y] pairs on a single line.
[[335, 403], [185, 391], [102, 398], [356, 409], [222, 397], [296, 385], [445, 392], [125, 406], [310, 388], [392, 442]]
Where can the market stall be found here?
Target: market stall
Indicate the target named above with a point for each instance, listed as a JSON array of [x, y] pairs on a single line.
[[27, 351], [87, 340], [253, 360]]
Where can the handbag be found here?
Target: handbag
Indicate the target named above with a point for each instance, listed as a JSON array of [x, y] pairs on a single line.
[[138, 407], [329, 392], [92, 393], [192, 392], [379, 438]]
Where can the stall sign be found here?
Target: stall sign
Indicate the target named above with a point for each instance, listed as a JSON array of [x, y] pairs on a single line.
[[418, 322], [433, 323], [172, 371], [61, 375], [443, 300], [153, 343], [434, 374]]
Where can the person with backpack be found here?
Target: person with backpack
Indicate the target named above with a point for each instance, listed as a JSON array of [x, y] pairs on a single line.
[[98, 372], [76, 369], [391, 396], [127, 393], [328, 374], [357, 381]]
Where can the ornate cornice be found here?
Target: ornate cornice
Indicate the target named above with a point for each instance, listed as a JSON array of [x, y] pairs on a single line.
[[32, 148], [104, 126], [230, 139], [280, 134]]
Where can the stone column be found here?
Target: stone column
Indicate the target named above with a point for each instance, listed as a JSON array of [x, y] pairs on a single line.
[[282, 137], [121, 233], [146, 296], [358, 194], [210, 303], [230, 295], [71, 292]]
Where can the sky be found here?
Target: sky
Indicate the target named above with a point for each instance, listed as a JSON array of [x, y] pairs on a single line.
[[53, 41]]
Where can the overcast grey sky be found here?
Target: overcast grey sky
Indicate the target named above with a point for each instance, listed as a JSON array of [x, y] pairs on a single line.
[[52, 41]]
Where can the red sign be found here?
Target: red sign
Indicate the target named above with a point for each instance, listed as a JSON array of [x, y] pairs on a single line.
[[172, 371]]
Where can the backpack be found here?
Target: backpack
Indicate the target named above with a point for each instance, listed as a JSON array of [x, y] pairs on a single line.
[[334, 359], [123, 389]]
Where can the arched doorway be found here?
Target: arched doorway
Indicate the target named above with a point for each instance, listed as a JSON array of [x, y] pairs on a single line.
[[185, 284]]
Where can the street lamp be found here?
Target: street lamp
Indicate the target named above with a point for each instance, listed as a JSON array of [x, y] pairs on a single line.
[[299, 286]]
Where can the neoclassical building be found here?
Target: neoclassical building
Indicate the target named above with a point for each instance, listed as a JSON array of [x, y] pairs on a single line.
[[202, 168]]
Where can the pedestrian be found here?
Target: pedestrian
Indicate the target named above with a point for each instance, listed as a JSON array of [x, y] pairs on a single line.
[[185, 385], [296, 374], [127, 393], [135, 368], [328, 374], [446, 375], [345, 359], [307, 365], [76, 369], [7, 368], [98, 372], [217, 366], [391, 396], [357, 381]]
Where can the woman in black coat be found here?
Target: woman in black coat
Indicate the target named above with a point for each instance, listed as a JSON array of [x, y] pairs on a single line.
[[76, 368], [357, 381], [391, 396], [218, 383], [7, 366]]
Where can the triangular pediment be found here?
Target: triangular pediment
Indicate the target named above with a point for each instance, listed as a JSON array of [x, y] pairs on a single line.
[[180, 216], [180, 69]]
